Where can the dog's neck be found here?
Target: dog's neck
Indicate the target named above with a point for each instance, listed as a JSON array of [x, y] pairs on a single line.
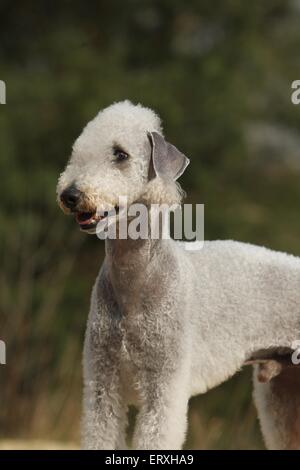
[[128, 263], [129, 258], [132, 263], [127, 253]]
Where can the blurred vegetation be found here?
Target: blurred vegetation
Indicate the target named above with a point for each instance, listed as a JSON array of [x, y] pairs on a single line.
[[219, 73]]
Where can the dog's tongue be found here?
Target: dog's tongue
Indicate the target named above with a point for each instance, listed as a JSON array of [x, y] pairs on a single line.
[[84, 218]]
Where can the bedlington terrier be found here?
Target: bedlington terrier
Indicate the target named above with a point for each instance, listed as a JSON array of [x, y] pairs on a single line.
[[167, 323]]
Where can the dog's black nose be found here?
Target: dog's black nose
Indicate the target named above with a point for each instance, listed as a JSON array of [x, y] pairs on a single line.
[[70, 197]]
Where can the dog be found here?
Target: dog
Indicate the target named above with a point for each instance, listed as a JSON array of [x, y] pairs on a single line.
[[167, 323]]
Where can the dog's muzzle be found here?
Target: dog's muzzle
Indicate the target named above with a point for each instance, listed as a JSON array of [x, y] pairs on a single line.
[[87, 217], [70, 197]]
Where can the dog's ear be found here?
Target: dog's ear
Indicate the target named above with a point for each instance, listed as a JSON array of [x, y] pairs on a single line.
[[167, 160]]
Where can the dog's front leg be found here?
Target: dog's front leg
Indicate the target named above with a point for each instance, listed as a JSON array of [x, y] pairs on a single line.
[[104, 418], [162, 420], [104, 410]]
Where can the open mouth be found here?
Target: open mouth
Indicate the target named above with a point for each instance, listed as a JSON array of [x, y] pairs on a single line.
[[89, 220]]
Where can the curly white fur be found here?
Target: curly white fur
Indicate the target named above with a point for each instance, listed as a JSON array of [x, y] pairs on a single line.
[[166, 323]]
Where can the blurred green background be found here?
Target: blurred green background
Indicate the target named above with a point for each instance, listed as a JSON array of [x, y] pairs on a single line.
[[219, 73]]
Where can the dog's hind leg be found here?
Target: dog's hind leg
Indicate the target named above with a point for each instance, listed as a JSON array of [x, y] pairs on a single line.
[[278, 404]]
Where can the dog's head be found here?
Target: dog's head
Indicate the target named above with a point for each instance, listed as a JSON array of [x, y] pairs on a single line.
[[121, 152]]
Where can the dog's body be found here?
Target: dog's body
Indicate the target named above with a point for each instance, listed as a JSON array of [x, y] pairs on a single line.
[[167, 323]]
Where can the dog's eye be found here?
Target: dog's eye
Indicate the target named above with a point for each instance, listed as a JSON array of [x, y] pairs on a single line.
[[120, 154]]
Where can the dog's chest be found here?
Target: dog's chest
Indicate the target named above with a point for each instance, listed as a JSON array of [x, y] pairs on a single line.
[[129, 376]]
